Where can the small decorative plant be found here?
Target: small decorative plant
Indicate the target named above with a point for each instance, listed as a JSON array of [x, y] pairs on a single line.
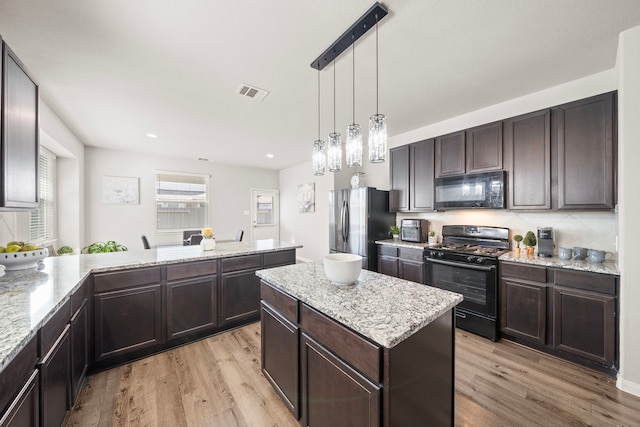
[[394, 230], [432, 233], [432, 237], [99, 247], [64, 250], [518, 239], [530, 241]]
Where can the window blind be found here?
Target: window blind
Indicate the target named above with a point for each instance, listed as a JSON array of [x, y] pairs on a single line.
[[181, 200], [43, 219]]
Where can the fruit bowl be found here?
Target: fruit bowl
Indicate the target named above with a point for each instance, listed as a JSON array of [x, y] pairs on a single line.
[[23, 260]]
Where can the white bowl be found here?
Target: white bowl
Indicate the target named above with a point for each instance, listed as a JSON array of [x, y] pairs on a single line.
[[342, 268], [23, 260]]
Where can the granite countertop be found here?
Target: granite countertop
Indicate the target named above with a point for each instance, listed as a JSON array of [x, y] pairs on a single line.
[[402, 244], [384, 309], [607, 267], [29, 297]]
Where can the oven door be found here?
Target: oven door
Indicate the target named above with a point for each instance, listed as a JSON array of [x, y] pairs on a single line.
[[477, 283]]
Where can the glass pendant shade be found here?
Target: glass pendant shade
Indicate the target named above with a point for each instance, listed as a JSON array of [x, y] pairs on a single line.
[[354, 146], [334, 152], [319, 157], [377, 138]]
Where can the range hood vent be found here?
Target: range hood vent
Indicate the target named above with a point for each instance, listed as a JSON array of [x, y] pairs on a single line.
[[252, 92]]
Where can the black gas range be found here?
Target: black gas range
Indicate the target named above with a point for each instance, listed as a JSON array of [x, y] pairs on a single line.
[[467, 263]]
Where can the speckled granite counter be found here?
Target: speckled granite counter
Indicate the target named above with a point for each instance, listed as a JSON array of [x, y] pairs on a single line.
[[384, 309], [607, 267], [29, 297], [402, 244]]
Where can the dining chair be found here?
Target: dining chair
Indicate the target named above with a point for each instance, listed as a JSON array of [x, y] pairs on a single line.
[[191, 237], [145, 242], [239, 235]]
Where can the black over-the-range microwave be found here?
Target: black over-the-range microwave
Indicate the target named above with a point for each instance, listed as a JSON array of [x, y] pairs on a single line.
[[480, 190]]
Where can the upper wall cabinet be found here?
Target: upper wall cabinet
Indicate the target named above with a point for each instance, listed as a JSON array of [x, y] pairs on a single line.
[[19, 140], [475, 150], [450, 154], [585, 138], [411, 172], [527, 148]]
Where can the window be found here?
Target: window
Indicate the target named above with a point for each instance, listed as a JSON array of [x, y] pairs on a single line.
[[181, 201], [43, 219]]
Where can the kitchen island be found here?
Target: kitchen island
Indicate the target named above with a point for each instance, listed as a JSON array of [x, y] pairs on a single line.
[[78, 313], [380, 352]]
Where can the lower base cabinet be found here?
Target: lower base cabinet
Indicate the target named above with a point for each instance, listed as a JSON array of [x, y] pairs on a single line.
[[192, 306], [55, 382], [240, 292], [79, 349], [333, 392], [404, 263], [25, 409]]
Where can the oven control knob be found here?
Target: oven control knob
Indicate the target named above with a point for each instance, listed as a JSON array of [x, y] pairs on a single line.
[[480, 260], [471, 259], [440, 254]]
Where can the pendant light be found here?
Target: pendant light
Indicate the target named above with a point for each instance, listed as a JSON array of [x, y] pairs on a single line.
[[334, 152], [319, 156], [377, 124], [353, 145]]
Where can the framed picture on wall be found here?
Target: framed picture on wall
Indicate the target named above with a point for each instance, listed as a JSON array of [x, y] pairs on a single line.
[[307, 197], [120, 190]]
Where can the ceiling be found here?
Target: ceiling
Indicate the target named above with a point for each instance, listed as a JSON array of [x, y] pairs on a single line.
[[117, 70]]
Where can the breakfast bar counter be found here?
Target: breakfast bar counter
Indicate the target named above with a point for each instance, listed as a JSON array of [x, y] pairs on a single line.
[[379, 352]]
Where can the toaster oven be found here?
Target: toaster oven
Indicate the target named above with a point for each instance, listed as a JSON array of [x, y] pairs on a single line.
[[414, 230]]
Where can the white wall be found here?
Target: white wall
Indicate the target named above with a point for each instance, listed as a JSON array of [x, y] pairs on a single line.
[[230, 196], [628, 67], [310, 229]]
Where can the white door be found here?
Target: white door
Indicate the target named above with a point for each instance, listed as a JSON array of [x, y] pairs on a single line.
[[265, 215]]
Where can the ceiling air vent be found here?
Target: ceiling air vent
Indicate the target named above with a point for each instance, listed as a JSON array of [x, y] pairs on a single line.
[[252, 92]]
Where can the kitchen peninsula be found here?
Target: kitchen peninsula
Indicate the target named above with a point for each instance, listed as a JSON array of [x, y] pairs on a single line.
[[379, 352], [91, 312]]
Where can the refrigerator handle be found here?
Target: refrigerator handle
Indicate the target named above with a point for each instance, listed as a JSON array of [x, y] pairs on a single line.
[[345, 228]]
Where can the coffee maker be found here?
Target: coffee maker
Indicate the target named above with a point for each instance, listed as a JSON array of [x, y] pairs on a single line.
[[545, 241]]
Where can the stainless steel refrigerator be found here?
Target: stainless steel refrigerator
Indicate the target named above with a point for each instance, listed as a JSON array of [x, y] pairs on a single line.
[[357, 218]]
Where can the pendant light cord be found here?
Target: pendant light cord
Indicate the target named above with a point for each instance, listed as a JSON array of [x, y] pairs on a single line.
[[376, 63], [318, 103], [353, 68], [334, 96]]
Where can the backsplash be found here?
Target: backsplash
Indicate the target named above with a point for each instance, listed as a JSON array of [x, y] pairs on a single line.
[[594, 230]]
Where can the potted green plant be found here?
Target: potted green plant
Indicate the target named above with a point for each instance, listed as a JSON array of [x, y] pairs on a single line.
[[517, 238], [433, 239], [65, 250], [394, 231], [530, 241], [100, 247]]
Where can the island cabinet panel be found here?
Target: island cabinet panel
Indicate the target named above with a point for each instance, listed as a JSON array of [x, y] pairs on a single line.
[[278, 258], [333, 393], [280, 356], [484, 148], [25, 408], [524, 309], [15, 377], [450, 154], [19, 136], [399, 179], [127, 320], [527, 146], [79, 348], [585, 138], [105, 282], [55, 382], [192, 306], [284, 304]]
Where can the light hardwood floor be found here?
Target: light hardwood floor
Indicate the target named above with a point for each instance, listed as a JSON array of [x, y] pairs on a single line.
[[217, 382]]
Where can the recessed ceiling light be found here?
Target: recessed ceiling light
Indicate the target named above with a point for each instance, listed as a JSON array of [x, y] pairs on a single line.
[[271, 156], [152, 135], [204, 159]]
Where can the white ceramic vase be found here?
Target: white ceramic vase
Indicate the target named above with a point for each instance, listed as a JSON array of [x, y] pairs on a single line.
[[208, 243]]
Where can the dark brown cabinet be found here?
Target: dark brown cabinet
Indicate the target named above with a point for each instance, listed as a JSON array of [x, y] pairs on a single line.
[[19, 136], [527, 146], [411, 171], [404, 263], [333, 391], [399, 179], [192, 298], [585, 138], [240, 288], [450, 154], [80, 335], [484, 148], [25, 408], [55, 382], [568, 313]]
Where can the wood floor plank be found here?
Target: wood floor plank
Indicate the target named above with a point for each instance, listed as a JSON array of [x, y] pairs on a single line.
[[218, 382]]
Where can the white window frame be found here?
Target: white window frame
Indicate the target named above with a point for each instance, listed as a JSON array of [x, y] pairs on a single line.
[[185, 176], [47, 183]]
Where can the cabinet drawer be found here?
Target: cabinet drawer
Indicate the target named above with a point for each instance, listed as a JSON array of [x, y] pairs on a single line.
[[411, 254], [351, 347], [524, 272], [105, 282], [595, 282], [51, 330], [79, 296], [16, 373], [388, 250], [285, 304], [191, 269], [241, 263], [279, 258]]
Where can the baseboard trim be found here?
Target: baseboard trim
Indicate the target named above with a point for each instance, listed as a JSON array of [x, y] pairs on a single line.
[[628, 386], [301, 259]]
